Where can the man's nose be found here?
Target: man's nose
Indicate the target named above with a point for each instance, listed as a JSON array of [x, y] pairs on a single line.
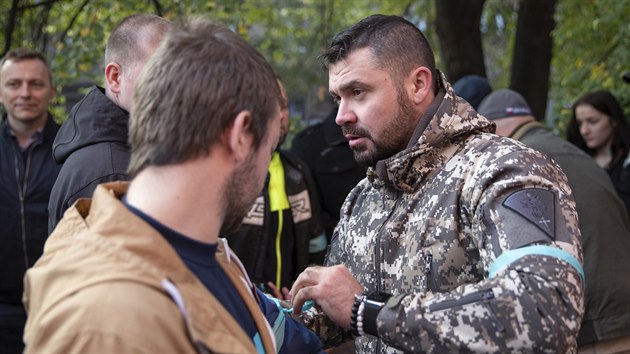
[[344, 115], [25, 90]]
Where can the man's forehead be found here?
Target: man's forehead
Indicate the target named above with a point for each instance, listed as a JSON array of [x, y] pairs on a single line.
[[35, 65], [357, 67], [37, 69]]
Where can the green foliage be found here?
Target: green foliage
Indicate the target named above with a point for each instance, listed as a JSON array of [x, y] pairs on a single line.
[[591, 38], [591, 53], [289, 33]]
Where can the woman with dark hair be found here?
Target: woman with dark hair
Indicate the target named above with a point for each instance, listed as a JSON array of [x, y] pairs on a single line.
[[599, 127]]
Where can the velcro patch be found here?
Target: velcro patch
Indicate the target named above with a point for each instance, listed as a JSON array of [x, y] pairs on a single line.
[[536, 206]]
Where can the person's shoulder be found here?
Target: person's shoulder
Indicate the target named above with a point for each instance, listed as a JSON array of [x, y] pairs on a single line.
[[111, 316], [291, 158], [308, 133]]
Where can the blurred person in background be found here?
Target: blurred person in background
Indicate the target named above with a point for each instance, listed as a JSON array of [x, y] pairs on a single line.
[[282, 232], [604, 226], [599, 127], [92, 144], [27, 174]]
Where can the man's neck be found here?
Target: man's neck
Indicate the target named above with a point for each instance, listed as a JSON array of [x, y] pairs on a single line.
[[24, 131], [186, 198], [603, 155]]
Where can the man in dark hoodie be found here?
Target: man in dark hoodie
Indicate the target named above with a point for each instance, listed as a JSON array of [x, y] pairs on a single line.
[[92, 143]]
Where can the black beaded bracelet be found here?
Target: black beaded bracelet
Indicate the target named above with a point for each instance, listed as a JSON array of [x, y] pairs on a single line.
[[357, 329]]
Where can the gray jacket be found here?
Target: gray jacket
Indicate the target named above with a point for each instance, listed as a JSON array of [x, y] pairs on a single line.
[[429, 223], [605, 234]]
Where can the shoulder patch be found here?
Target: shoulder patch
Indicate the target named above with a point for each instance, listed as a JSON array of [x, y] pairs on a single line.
[[536, 206]]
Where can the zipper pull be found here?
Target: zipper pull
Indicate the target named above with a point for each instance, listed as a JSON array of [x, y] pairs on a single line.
[[427, 263]]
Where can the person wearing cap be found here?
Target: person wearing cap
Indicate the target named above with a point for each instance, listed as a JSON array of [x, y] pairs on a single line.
[[472, 88], [603, 223]]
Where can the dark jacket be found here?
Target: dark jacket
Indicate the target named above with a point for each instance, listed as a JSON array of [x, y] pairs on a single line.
[[605, 235], [92, 146], [23, 203], [331, 161], [619, 173], [255, 241]]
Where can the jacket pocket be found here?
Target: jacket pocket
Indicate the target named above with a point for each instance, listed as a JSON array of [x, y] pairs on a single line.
[[481, 295]]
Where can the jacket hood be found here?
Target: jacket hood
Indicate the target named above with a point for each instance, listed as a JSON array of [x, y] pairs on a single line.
[[447, 122], [95, 119]]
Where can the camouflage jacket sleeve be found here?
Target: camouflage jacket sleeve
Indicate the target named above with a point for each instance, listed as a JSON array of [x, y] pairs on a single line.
[[520, 221]]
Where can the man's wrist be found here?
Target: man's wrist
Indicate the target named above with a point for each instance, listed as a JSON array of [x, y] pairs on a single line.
[[356, 318], [365, 310]]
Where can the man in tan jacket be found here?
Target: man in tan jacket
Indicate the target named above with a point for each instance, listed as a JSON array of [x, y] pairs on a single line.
[[140, 267]]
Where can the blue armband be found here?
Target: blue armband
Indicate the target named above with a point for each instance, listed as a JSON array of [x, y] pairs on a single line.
[[509, 257]]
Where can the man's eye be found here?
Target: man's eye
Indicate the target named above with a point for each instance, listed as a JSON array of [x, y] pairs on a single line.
[[357, 92]]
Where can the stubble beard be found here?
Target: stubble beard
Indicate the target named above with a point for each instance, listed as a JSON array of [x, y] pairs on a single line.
[[237, 198], [394, 138]]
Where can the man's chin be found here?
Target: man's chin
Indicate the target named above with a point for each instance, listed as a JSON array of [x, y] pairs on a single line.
[[364, 158]]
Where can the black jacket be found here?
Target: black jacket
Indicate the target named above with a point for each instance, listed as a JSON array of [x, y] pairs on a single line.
[[301, 239], [326, 152], [26, 179], [92, 146]]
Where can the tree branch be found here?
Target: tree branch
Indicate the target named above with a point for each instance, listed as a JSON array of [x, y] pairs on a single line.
[[74, 18], [158, 7], [43, 3]]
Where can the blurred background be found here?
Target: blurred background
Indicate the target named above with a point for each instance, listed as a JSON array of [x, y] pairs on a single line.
[[551, 51]]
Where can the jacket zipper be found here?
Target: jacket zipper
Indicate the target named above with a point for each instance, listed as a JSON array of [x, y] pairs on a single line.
[[22, 194], [377, 261], [428, 259], [481, 295]]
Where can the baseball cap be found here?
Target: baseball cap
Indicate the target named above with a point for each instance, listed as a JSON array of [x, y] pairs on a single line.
[[502, 104]]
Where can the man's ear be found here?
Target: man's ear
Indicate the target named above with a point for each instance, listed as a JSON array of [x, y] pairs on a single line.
[[421, 84], [113, 75], [238, 138]]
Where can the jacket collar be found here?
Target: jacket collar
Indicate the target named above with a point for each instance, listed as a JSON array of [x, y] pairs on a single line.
[[48, 131], [448, 120]]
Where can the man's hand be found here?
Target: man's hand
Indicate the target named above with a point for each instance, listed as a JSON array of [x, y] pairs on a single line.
[[332, 288], [284, 295]]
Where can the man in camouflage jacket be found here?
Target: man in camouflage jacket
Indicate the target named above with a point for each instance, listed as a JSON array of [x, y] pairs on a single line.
[[458, 240]]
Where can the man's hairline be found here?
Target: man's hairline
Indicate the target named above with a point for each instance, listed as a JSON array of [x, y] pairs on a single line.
[[377, 64], [18, 60], [144, 37]]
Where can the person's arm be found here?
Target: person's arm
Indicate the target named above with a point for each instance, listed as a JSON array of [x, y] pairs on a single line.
[[531, 298]]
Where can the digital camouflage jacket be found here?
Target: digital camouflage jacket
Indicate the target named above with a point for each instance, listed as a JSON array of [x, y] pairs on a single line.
[[429, 225]]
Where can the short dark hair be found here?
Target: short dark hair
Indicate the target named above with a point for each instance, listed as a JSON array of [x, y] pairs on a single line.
[[19, 54], [395, 44], [125, 40], [202, 76], [604, 102]]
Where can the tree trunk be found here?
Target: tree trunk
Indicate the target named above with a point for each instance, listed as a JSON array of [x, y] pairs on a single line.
[[10, 27], [532, 53], [458, 24]]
